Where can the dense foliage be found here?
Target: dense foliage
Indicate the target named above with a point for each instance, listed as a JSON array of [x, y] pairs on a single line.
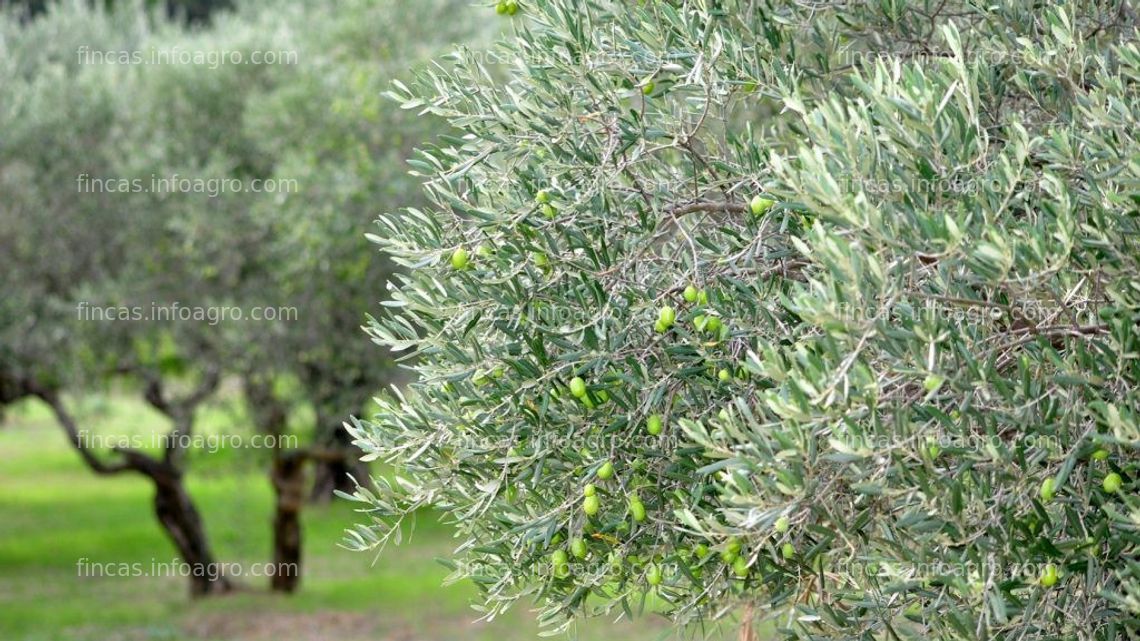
[[822, 310]]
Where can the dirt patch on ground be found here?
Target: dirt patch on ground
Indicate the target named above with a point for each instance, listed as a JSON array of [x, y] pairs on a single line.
[[289, 626], [323, 626]]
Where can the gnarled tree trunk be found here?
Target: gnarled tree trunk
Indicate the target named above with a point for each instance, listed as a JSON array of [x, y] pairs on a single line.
[[179, 517], [173, 505]]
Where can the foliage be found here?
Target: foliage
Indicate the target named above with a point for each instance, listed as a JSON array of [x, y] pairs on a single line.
[[314, 126], [909, 229]]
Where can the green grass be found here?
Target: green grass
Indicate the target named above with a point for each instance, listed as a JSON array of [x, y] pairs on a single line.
[[55, 512]]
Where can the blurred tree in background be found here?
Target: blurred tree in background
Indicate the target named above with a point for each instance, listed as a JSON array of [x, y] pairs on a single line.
[[77, 127]]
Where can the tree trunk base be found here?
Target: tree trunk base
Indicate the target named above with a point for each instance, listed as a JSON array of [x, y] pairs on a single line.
[[176, 512], [288, 477]]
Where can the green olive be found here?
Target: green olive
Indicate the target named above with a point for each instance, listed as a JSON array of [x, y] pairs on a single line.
[[690, 294], [734, 546], [740, 566], [606, 471], [578, 387], [655, 424], [782, 524], [1049, 576], [459, 258], [637, 510], [1112, 483], [560, 564], [578, 548], [760, 205]]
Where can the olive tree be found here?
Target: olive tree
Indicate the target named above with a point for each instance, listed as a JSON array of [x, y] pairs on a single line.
[[314, 128], [67, 248], [819, 312]]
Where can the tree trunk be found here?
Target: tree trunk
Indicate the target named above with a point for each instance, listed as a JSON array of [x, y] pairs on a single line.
[[288, 478], [176, 512]]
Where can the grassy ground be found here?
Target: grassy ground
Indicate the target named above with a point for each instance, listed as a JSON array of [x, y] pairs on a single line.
[[55, 513]]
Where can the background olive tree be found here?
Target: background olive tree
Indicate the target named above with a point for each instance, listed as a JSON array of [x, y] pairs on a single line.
[[818, 311], [313, 126]]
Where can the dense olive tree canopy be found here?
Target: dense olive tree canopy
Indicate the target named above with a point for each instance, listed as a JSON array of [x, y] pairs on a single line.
[[824, 310]]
